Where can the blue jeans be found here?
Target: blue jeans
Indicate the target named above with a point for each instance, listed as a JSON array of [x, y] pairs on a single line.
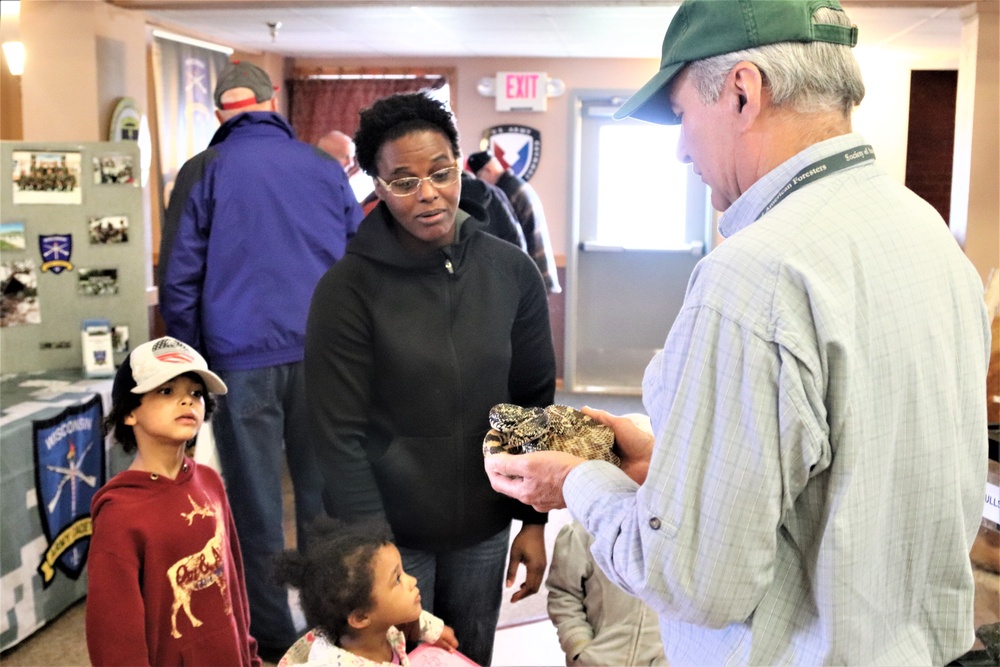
[[264, 410], [464, 588]]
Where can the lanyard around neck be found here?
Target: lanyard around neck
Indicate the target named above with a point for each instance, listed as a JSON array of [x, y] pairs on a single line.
[[820, 169]]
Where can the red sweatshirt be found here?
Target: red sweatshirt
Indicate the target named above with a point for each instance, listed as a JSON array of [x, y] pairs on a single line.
[[165, 573]]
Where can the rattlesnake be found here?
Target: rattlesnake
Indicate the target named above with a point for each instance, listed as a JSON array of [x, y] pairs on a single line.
[[518, 430]]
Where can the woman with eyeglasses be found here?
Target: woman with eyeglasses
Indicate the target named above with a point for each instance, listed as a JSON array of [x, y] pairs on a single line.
[[424, 325]]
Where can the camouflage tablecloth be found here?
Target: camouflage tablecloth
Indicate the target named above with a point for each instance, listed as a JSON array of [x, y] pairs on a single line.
[[52, 460]]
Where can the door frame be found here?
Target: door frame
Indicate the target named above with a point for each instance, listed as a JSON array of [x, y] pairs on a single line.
[[577, 99]]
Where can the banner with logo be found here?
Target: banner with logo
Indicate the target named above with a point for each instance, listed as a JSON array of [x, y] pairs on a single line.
[[56, 250], [69, 469], [518, 147], [184, 78]]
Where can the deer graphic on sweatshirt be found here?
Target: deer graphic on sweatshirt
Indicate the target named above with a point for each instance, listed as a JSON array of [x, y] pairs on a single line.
[[199, 570]]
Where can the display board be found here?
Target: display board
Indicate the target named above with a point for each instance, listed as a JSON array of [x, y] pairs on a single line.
[[73, 248]]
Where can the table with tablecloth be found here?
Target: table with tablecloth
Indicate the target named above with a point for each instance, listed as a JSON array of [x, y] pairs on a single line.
[[44, 536]]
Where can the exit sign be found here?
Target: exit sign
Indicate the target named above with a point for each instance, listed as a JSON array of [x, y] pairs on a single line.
[[521, 91]]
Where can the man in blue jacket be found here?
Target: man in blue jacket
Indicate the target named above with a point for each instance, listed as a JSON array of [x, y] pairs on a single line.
[[254, 221]]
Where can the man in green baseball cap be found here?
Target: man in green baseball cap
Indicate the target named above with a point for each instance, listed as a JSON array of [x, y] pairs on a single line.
[[706, 28], [813, 481]]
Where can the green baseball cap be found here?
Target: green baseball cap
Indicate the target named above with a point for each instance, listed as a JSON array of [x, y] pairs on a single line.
[[705, 28]]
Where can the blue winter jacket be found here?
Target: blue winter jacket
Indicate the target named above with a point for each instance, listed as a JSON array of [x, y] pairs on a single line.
[[254, 221]]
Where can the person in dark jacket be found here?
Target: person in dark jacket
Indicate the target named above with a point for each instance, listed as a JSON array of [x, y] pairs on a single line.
[[527, 207], [502, 219], [253, 223], [424, 325]]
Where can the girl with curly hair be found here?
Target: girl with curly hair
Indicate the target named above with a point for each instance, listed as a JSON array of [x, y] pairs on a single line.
[[360, 603]]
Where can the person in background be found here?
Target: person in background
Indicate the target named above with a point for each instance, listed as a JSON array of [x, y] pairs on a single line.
[[424, 325], [502, 220], [341, 147], [357, 598], [528, 208], [253, 222], [165, 577], [597, 623], [814, 481]]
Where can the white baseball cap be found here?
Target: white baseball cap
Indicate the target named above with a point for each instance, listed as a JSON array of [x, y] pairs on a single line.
[[153, 363]]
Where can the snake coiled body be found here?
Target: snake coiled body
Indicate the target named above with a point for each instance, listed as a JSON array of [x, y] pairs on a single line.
[[518, 430]]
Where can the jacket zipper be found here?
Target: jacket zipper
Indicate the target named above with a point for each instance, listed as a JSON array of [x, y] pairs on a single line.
[[450, 268]]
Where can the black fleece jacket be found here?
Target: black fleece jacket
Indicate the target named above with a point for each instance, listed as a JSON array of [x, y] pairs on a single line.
[[405, 356]]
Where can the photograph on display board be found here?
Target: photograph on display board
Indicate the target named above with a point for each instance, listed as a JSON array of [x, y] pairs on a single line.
[[51, 177], [97, 282], [19, 293], [114, 169], [119, 338], [108, 229], [12, 236]]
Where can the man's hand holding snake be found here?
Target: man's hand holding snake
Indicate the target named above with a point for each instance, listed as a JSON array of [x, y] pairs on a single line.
[[633, 443], [535, 479]]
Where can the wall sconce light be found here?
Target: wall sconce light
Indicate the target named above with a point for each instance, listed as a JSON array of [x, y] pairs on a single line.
[[487, 86], [14, 53]]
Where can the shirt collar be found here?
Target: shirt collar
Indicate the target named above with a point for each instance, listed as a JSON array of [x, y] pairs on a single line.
[[748, 207]]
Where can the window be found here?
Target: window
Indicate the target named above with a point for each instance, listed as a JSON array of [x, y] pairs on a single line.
[[642, 187]]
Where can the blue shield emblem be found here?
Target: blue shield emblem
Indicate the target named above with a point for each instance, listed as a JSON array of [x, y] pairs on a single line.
[[56, 250], [69, 468], [518, 147]]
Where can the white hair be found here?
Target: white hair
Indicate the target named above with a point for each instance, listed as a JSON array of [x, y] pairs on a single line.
[[807, 77]]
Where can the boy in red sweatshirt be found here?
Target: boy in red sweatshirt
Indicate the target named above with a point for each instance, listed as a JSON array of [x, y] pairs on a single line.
[[165, 572]]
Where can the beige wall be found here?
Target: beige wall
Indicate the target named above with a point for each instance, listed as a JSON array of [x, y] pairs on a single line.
[[62, 98], [11, 127], [975, 204]]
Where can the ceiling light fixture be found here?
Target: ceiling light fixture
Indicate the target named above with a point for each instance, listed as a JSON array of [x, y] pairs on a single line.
[[173, 37]]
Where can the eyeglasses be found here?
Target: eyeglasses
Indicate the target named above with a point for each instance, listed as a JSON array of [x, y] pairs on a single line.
[[404, 187]]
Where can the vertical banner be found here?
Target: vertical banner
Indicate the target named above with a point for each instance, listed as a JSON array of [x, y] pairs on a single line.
[[69, 469], [184, 77]]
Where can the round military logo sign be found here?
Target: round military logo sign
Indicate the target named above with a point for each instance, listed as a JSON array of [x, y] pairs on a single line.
[[125, 121], [518, 147]]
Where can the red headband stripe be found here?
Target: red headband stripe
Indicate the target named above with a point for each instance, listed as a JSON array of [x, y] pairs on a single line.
[[239, 104]]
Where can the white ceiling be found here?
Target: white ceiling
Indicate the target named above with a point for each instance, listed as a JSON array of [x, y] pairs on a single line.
[[515, 28]]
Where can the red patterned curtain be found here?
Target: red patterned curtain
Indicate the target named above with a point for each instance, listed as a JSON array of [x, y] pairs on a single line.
[[318, 106]]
